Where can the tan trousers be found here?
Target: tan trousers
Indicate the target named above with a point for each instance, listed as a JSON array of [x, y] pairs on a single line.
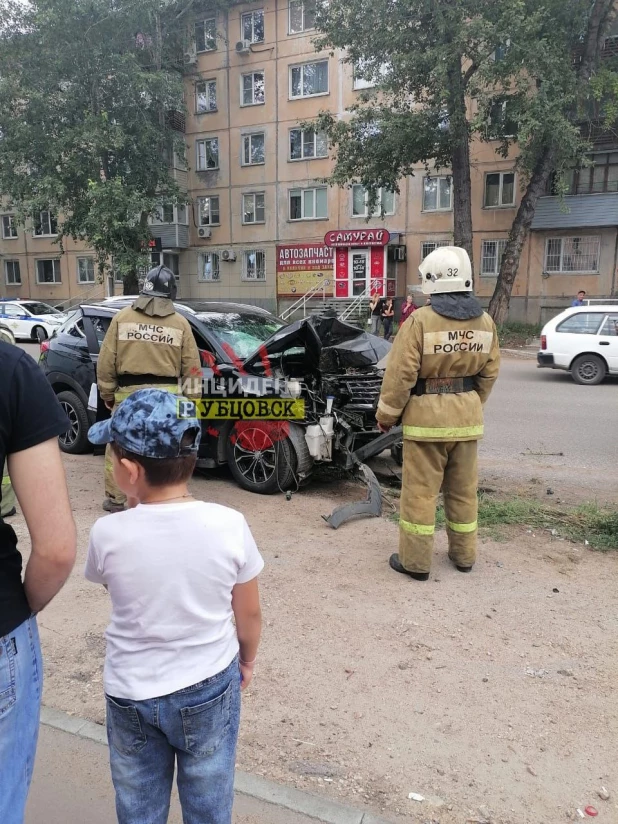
[[111, 489], [429, 466], [8, 495]]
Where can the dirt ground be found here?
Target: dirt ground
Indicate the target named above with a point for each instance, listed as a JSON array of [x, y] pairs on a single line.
[[492, 695]]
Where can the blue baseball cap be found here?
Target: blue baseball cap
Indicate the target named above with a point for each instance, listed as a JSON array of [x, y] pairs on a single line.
[[150, 423]]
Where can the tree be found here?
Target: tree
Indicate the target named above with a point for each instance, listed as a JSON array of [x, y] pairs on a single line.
[[566, 85], [87, 93]]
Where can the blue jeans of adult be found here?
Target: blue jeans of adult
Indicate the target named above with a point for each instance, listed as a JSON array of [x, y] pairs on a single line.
[[375, 324], [21, 686], [196, 728]]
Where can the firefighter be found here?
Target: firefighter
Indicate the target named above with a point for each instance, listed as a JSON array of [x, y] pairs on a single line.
[[148, 344], [440, 372]]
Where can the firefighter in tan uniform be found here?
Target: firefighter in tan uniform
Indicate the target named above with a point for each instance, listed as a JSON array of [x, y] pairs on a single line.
[[440, 372], [148, 344]]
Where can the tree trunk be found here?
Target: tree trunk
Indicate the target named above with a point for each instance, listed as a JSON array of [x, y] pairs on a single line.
[[462, 188], [537, 186], [130, 285]]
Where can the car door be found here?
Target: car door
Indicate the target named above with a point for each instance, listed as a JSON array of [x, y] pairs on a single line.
[[608, 342], [96, 324], [576, 335], [16, 319]]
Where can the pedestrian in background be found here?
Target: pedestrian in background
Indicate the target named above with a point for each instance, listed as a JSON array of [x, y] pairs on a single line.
[[30, 421], [407, 309], [388, 315], [579, 300], [147, 344], [185, 626], [375, 307]]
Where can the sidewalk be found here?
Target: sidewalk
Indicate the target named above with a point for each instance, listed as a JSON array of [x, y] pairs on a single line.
[[72, 785]]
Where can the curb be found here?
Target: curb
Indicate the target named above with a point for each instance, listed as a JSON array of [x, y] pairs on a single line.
[[253, 786], [521, 353]]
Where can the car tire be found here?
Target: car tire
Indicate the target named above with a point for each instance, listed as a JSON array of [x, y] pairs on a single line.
[[38, 334], [261, 456], [588, 370], [76, 439]]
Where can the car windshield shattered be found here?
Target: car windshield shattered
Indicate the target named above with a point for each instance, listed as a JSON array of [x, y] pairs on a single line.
[[240, 334]]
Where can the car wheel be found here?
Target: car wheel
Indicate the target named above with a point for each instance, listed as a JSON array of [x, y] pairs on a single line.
[[39, 334], [588, 370], [75, 440], [261, 456]]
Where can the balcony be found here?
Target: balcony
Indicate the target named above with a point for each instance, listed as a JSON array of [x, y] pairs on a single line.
[[171, 225], [577, 211]]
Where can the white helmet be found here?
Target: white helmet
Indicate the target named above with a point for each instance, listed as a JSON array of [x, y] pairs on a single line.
[[446, 269]]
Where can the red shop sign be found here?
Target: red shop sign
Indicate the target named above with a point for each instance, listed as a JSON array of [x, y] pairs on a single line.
[[357, 237]]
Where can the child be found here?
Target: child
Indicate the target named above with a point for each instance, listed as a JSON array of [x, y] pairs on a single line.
[[180, 572]]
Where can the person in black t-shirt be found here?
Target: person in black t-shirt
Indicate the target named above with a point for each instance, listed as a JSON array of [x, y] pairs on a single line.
[[30, 421]]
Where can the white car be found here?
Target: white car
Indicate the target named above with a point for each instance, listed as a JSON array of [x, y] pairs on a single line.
[[31, 319], [582, 340]]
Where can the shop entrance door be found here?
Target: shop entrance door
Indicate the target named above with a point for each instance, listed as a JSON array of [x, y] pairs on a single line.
[[360, 272]]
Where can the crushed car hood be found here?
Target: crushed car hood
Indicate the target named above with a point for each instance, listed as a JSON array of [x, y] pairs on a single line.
[[329, 343]]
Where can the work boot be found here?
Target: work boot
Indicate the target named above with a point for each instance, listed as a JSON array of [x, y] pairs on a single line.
[[112, 506], [396, 564], [462, 568]]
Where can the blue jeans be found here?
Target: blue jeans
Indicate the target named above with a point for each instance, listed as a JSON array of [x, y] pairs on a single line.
[[196, 727], [21, 685]]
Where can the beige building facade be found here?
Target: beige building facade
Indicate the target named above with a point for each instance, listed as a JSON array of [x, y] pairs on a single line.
[[258, 215]]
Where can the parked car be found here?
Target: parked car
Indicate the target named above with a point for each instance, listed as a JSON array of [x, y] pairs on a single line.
[[30, 319], [582, 340], [314, 359]]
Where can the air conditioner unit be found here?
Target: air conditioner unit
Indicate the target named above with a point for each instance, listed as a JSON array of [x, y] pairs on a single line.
[[190, 58], [400, 253], [204, 231], [243, 47], [228, 255]]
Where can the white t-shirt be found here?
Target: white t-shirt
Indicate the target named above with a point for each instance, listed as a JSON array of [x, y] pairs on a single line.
[[170, 570]]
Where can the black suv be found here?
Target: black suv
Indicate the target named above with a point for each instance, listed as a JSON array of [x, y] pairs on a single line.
[[332, 366]]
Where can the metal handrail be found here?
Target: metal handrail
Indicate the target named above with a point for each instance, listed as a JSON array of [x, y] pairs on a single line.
[[302, 301], [355, 305], [600, 301], [83, 298]]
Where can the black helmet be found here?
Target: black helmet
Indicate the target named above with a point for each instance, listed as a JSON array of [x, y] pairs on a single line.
[[159, 283]]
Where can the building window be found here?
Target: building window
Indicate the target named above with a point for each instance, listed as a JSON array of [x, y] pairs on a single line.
[[208, 267], [207, 154], [491, 257], [499, 189], [206, 35], [168, 212], [206, 96], [9, 229], [252, 26], [307, 144], [252, 90], [385, 202], [45, 225], [85, 270], [254, 265], [181, 214], [601, 175], [309, 79], [208, 210], [308, 204], [364, 77], [12, 275], [437, 194], [253, 208], [302, 15], [48, 271], [501, 120], [253, 149], [429, 246], [572, 255]]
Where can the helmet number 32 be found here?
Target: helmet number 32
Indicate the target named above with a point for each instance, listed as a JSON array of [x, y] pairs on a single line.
[[452, 272]]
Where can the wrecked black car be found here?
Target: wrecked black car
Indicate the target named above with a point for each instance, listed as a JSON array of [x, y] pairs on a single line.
[[247, 353]]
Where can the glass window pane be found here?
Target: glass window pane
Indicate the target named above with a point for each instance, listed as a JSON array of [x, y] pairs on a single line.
[[295, 204], [246, 153], [358, 200], [201, 96], [248, 210], [258, 85], [308, 203], [258, 26], [308, 143], [321, 79], [508, 189], [321, 202], [598, 179], [488, 258], [583, 323], [612, 178], [445, 193], [247, 27], [259, 208], [552, 255], [257, 148], [430, 194], [295, 144], [296, 78], [492, 190], [309, 21], [296, 16], [247, 89], [388, 202], [199, 37], [610, 326], [321, 143]]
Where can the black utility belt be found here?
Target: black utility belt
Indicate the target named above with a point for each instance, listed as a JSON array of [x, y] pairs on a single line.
[[443, 386], [145, 380]]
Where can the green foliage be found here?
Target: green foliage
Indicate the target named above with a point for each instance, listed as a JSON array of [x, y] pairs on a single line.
[[514, 334], [86, 87]]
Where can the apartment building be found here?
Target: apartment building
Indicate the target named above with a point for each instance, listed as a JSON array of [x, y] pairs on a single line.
[[260, 227]]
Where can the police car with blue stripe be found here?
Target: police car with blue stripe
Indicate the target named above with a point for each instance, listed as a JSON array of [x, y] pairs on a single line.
[[30, 319]]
